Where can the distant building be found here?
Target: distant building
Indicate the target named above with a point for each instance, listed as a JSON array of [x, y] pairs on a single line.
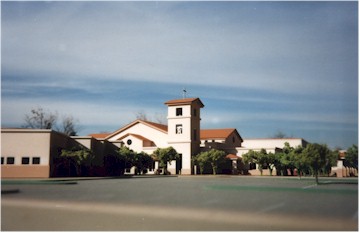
[[31, 153]]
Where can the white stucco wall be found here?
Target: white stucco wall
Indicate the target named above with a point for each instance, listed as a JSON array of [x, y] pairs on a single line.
[[269, 144], [84, 140], [155, 135], [188, 142], [184, 120], [136, 143]]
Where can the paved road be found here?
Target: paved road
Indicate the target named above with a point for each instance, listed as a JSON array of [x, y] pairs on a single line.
[[181, 203]]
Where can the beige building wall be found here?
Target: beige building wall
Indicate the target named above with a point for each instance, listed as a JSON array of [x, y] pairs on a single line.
[[29, 153], [31, 147], [86, 141]]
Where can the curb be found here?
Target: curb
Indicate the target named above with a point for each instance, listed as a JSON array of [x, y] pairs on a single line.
[[10, 191]]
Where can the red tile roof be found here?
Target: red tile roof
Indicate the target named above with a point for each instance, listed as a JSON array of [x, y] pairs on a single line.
[[215, 133], [136, 136], [157, 125], [204, 133], [184, 101], [99, 135], [232, 156], [148, 123]]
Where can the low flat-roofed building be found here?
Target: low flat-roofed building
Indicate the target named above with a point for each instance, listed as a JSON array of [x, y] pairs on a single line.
[[28, 153], [269, 144]]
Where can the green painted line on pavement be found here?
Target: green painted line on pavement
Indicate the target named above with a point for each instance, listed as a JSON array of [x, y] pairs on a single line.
[[281, 189], [36, 182]]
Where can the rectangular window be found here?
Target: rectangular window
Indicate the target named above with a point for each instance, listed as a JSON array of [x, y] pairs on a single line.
[[25, 160], [195, 113], [10, 160], [178, 111], [2, 160], [178, 129], [195, 134], [36, 160]]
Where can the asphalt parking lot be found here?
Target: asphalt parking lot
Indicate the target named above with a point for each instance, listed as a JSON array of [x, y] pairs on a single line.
[[193, 203]]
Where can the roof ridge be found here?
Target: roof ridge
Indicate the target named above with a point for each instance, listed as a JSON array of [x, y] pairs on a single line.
[[220, 129], [157, 125]]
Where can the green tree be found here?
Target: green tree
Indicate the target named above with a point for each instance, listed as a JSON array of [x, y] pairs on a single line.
[[83, 158], [165, 156], [298, 160], [250, 157], [215, 158], [125, 158], [330, 161], [201, 160], [351, 157], [142, 161], [271, 161], [258, 157], [314, 156], [262, 160], [278, 164], [287, 158]]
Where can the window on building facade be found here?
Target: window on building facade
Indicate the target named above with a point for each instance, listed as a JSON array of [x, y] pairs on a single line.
[[25, 160], [129, 142], [2, 160], [179, 129], [36, 160], [179, 112], [10, 160], [194, 112], [195, 134]]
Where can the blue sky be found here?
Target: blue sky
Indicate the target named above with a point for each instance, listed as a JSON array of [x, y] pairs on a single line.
[[260, 67]]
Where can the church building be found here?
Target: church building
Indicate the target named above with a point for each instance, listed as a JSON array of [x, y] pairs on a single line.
[[183, 132]]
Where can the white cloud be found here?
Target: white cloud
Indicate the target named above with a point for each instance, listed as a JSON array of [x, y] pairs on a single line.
[[14, 110], [149, 43], [277, 54]]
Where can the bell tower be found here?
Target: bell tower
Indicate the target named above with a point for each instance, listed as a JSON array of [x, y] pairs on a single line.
[[184, 129]]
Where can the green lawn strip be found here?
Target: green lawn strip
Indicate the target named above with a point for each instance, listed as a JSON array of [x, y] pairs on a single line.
[[37, 182], [314, 189]]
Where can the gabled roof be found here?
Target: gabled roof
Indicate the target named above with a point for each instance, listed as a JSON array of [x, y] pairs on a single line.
[[184, 102], [136, 136], [204, 133], [216, 133], [157, 126]]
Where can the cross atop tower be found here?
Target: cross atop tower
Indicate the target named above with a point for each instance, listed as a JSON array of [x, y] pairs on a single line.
[[184, 93]]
